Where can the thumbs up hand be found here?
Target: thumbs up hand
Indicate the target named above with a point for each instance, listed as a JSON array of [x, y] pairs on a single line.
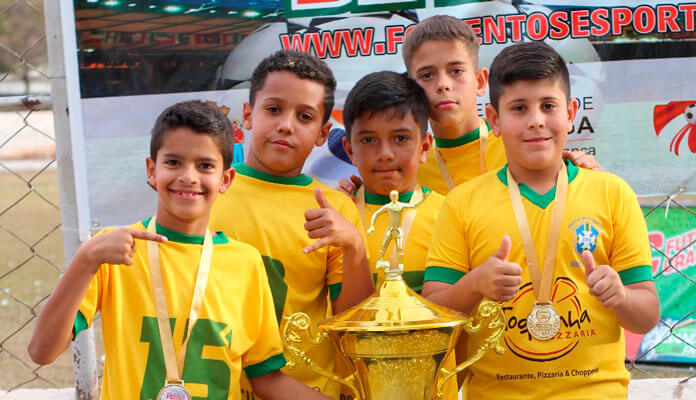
[[329, 226], [497, 278], [604, 282]]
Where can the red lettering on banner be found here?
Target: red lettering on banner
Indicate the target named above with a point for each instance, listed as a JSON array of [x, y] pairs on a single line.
[[475, 24], [495, 29], [559, 21], [295, 43], [357, 38], [580, 23], [600, 20], [667, 16], [688, 10], [537, 26], [644, 19], [621, 16], [328, 41], [395, 35], [516, 21]]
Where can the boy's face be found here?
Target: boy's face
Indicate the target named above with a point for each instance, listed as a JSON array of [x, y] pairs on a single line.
[[188, 175], [451, 80], [387, 148], [286, 120], [534, 119]]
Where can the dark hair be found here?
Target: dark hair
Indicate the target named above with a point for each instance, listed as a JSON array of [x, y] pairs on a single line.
[[380, 91], [529, 61], [440, 27], [200, 117], [304, 65]]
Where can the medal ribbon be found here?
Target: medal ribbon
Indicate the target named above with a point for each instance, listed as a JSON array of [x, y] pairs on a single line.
[[175, 365], [406, 220], [541, 281], [483, 142]]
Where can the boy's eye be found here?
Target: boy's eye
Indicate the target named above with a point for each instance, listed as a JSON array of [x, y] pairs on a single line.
[[425, 76], [367, 140], [457, 71], [206, 165], [172, 163], [306, 116], [273, 109], [549, 106], [518, 107], [400, 138]]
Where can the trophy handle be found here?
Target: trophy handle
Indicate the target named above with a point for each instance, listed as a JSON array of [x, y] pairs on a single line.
[[487, 308], [298, 326]]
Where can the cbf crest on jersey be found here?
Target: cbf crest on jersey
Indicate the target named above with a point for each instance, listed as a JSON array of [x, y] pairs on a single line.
[[585, 233]]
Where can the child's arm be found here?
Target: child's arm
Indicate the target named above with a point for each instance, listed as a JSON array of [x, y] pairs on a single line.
[[53, 329], [278, 386], [496, 279], [331, 228], [349, 186], [637, 306]]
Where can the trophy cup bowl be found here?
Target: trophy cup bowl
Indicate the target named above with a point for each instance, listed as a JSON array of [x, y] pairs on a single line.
[[395, 342]]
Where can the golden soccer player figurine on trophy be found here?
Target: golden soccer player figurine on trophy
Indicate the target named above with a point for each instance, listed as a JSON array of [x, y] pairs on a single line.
[[395, 340], [395, 209]]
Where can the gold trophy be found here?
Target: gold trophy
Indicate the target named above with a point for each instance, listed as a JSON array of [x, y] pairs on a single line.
[[395, 340]]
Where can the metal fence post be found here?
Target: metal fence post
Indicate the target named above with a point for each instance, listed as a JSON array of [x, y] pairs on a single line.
[[83, 348]]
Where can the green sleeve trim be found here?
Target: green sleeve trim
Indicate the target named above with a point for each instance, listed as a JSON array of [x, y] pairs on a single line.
[[334, 290], [636, 274], [271, 364], [80, 324], [414, 280], [442, 274]]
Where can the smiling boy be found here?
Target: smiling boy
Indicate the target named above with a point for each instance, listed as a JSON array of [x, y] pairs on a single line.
[[566, 249]]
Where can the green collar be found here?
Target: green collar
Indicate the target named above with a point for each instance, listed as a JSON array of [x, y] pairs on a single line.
[[539, 200], [378, 199], [179, 237], [462, 140], [300, 180]]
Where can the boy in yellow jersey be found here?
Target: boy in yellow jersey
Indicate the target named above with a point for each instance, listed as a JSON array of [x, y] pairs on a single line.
[[564, 248], [184, 309], [386, 120], [274, 207]]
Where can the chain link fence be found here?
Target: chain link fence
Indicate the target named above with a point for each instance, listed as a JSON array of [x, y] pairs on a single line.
[[31, 259]]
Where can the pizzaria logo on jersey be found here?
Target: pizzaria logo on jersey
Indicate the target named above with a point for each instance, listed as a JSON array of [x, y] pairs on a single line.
[[575, 323], [585, 232]]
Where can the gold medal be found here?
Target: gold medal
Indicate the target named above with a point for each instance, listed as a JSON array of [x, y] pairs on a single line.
[[174, 391], [543, 321]]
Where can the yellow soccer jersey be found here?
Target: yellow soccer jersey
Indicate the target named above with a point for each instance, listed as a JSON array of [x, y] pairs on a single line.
[[267, 212], [601, 215], [418, 240], [236, 328], [462, 159]]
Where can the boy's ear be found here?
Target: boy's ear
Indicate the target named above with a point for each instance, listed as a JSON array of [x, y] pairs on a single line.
[[426, 145], [227, 177], [492, 118], [348, 148], [246, 116], [323, 134], [481, 81], [572, 112], [151, 172]]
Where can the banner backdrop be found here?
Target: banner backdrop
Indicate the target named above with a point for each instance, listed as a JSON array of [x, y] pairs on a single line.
[[631, 66], [672, 236]]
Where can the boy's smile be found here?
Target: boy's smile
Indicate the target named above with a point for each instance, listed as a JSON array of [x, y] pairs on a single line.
[[188, 174], [534, 119], [451, 80], [286, 119], [387, 147]]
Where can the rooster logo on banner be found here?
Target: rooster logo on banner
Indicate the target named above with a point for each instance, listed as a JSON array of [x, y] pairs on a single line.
[[664, 114]]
